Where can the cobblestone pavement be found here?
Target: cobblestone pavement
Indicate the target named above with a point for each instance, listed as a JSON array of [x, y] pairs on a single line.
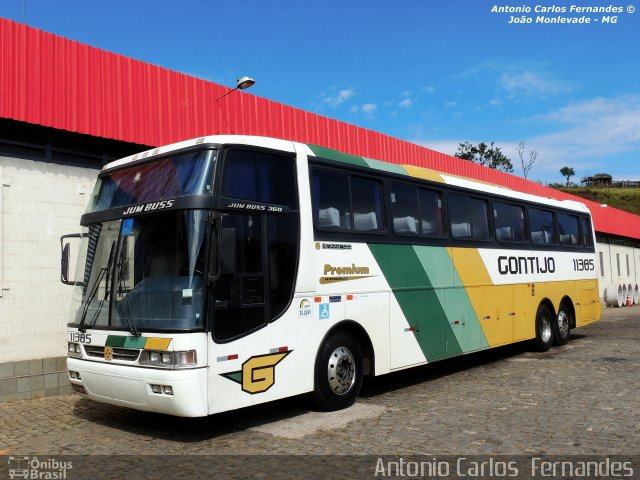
[[583, 398]]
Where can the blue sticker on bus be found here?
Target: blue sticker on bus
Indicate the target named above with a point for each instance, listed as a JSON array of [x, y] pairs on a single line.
[[324, 311], [127, 227]]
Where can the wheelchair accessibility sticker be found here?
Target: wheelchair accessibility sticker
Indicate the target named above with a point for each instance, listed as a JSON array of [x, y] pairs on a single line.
[[323, 312]]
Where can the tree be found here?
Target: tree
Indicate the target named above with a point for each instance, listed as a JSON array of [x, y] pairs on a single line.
[[486, 155], [567, 172], [529, 163]]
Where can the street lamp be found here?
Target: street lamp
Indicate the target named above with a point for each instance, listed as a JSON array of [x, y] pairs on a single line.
[[241, 84]]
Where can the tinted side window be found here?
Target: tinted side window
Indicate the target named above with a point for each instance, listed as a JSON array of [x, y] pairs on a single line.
[[346, 202], [366, 199], [509, 222], [431, 222], [541, 226], [568, 229], [260, 177], [586, 232], [331, 202], [241, 284], [468, 217], [404, 209], [282, 249]]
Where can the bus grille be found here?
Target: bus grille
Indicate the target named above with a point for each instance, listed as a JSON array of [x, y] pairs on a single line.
[[126, 354]]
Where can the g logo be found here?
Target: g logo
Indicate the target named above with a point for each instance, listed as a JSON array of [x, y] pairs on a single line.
[[258, 373], [108, 354]]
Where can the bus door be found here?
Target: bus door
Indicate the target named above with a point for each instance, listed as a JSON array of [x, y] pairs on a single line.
[[254, 258]]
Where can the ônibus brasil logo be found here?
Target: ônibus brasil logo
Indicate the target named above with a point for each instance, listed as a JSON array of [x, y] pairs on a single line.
[[27, 467]]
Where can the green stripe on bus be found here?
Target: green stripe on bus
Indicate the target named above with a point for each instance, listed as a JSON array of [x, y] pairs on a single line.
[[386, 167], [235, 376], [330, 154], [134, 342], [438, 265], [115, 341], [417, 298]]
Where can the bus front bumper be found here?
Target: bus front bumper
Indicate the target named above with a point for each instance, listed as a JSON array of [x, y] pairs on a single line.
[[182, 392]]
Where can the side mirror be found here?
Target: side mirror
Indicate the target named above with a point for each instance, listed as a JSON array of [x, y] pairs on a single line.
[[66, 256]]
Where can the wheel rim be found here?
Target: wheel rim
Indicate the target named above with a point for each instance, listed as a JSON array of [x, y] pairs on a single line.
[[563, 324], [341, 370], [545, 328]]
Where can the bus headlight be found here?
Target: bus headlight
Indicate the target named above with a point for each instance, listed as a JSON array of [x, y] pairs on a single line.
[[180, 359], [73, 349]]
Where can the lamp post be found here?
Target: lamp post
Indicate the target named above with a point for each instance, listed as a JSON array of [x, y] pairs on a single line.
[[241, 84]]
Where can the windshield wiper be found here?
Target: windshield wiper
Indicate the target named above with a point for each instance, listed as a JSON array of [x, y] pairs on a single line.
[[125, 312], [123, 307], [104, 271]]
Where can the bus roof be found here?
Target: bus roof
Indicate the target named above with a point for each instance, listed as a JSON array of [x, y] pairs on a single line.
[[335, 155]]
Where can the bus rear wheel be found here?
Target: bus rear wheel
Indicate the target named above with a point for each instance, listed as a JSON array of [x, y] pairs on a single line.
[[544, 329], [562, 330], [338, 375]]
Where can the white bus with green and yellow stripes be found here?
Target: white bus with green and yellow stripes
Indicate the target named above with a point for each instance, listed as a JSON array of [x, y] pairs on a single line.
[[228, 271]]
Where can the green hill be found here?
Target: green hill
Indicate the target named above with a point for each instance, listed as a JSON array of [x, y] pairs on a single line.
[[627, 199]]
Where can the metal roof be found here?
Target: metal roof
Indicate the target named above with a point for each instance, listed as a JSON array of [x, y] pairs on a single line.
[[52, 81]]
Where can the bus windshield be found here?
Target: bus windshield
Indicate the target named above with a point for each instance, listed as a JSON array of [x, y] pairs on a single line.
[[143, 273], [180, 175]]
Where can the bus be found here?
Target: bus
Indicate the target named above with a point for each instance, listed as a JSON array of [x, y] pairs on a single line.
[[228, 271]]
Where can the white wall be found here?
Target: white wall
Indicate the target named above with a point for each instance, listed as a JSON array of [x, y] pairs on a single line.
[[611, 276], [39, 202]]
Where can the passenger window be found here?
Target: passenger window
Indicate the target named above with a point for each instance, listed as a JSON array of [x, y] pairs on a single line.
[[586, 232], [366, 198], [568, 229], [509, 222], [344, 202], [332, 205], [260, 177], [404, 209], [542, 228], [468, 217], [431, 223]]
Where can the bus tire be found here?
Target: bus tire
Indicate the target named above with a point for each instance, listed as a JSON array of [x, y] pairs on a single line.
[[562, 326], [338, 373], [544, 329]]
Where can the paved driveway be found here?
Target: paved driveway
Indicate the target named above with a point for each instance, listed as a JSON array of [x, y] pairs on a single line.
[[581, 399]]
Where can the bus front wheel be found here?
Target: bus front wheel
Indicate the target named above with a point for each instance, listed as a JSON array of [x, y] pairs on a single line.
[[338, 375], [544, 329]]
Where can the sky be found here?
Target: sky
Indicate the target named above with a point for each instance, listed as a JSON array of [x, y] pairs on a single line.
[[432, 72]]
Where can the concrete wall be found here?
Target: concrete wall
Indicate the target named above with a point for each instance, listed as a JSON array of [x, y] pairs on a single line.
[[39, 202]]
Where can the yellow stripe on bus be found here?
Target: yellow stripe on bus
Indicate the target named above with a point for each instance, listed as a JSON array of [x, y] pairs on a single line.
[[507, 312], [423, 173], [157, 343]]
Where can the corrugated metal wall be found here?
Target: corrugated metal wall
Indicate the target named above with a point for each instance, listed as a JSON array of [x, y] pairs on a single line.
[[52, 81]]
